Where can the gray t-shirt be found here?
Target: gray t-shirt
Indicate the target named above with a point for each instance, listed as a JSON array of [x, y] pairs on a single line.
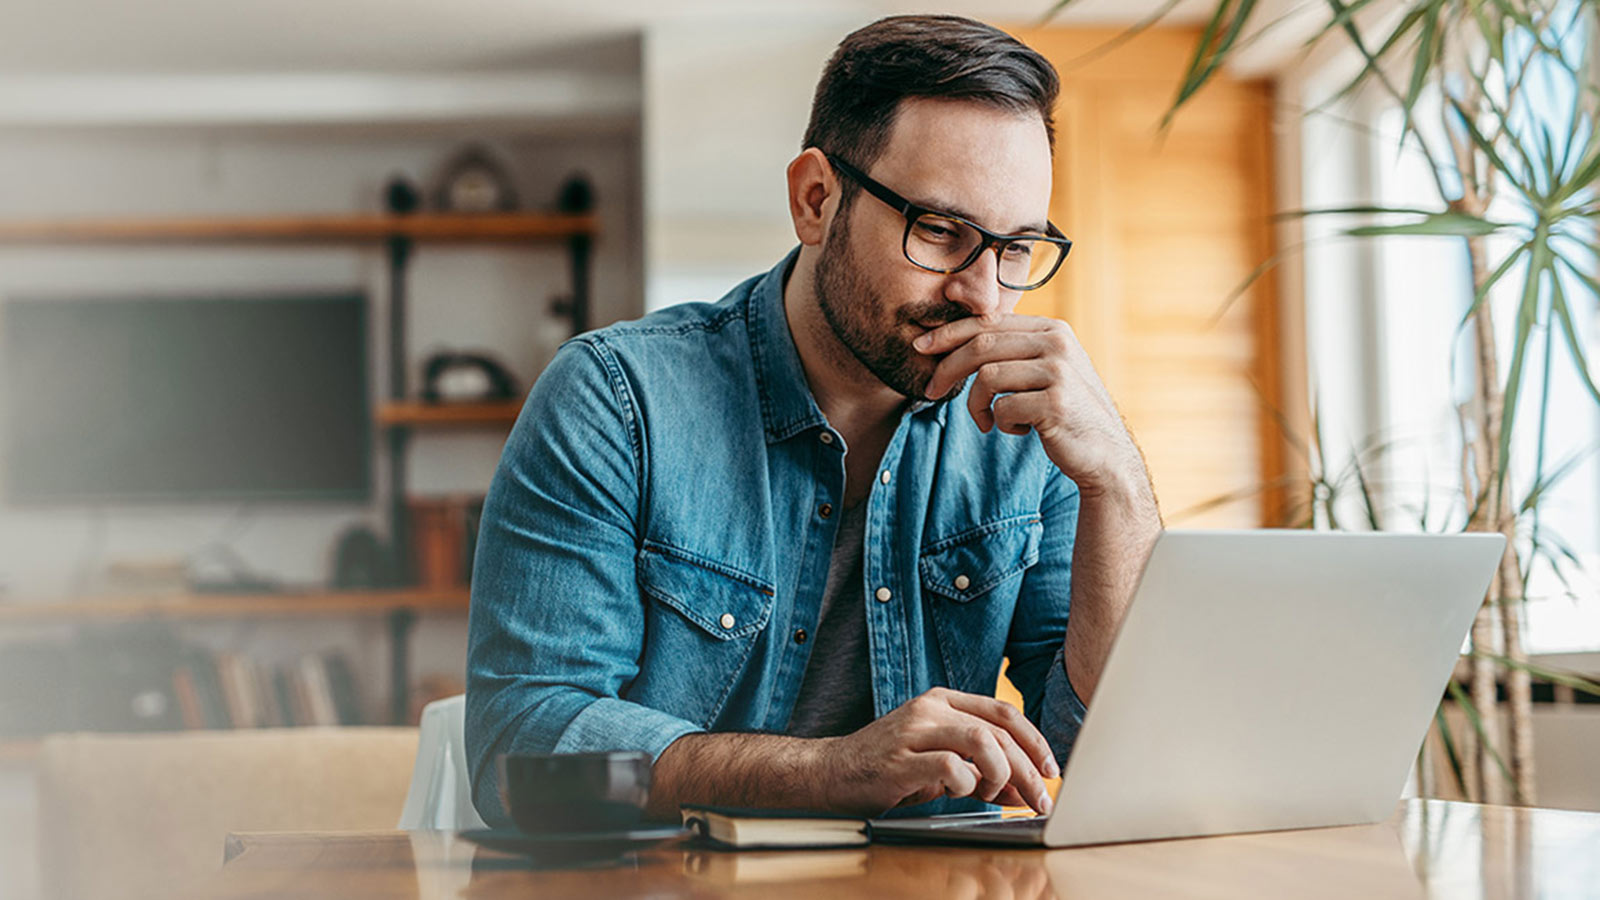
[[836, 692]]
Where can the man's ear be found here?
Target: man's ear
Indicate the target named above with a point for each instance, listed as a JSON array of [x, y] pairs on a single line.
[[813, 195]]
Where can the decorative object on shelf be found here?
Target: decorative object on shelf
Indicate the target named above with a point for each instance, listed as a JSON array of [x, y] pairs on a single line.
[[452, 377], [443, 538], [576, 194], [400, 195], [475, 182], [362, 560]]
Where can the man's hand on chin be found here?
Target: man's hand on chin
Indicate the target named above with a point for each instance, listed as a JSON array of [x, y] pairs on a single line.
[[1031, 374]]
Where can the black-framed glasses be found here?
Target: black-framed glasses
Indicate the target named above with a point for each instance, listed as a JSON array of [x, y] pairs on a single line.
[[946, 243]]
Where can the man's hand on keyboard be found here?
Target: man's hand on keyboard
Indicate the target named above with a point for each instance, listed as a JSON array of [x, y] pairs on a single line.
[[942, 743]]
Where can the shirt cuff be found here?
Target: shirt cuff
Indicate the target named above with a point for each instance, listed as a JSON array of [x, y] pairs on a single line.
[[612, 724], [1063, 710], [602, 725]]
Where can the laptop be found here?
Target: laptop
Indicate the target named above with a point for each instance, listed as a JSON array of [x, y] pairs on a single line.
[[1261, 680]]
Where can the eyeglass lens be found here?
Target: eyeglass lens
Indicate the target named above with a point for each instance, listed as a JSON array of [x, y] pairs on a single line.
[[945, 244]]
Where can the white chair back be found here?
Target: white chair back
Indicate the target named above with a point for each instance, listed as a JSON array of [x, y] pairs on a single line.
[[440, 798]]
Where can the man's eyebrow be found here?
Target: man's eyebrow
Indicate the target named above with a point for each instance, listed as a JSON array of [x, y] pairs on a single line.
[[956, 210]]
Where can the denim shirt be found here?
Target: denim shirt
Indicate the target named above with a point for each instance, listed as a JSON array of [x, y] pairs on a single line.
[[659, 529]]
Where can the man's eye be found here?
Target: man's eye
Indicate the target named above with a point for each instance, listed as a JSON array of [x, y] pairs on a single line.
[[1019, 250], [935, 231]]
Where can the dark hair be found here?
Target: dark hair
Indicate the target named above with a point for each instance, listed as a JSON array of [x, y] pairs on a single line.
[[946, 57]]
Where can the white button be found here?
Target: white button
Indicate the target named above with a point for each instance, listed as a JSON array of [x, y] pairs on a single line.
[[884, 477], [825, 437], [883, 595], [727, 620], [962, 581]]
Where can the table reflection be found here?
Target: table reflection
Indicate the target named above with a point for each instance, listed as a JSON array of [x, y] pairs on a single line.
[[1428, 849], [1366, 861]]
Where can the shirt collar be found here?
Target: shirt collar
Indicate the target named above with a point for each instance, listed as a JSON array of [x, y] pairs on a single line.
[[787, 407]]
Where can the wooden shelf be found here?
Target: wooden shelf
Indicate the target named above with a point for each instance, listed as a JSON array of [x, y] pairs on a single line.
[[243, 606], [449, 415], [460, 227]]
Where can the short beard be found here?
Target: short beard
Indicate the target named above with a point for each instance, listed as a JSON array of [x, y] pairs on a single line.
[[850, 305]]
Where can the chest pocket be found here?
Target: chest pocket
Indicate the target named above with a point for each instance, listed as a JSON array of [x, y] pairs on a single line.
[[970, 582], [702, 620]]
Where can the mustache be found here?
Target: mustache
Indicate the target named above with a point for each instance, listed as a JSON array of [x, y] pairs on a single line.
[[935, 314]]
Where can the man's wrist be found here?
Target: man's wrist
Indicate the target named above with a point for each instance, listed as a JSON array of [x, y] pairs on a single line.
[[736, 769], [813, 772], [1125, 486]]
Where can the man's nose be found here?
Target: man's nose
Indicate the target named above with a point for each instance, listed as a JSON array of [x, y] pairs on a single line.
[[977, 288]]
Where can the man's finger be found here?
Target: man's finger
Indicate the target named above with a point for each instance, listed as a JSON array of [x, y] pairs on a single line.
[[1013, 721], [1025, 775], [953, 334], [1000, 761], [1010, 797], [954, 776], [991, 346], [974, 739], [1006, 376], [1018, 413]]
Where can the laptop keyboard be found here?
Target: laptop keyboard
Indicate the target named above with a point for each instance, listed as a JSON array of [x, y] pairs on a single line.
[[1024, 823]]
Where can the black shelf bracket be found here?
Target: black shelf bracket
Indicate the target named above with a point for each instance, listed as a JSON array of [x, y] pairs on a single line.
[[401, 623]]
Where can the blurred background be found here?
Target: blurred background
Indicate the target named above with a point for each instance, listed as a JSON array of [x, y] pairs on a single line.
[[274, 279]]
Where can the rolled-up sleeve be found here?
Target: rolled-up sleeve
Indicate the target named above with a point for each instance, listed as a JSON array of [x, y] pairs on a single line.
[[557, 624], [1036, 645]]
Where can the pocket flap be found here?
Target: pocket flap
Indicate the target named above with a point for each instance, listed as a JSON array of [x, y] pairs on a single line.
[[969, 565], [724, 602]]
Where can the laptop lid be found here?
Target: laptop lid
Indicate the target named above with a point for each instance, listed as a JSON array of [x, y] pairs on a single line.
[[1270, 679]]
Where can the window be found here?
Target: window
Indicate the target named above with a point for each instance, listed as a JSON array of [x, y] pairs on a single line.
[[1390, 368]]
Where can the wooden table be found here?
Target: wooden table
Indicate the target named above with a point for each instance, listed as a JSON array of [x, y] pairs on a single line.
[[1427, 849]]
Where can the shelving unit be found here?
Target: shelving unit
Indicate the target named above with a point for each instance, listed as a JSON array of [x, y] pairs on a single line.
[[448, 415], [400, 606], [233, 606], [473, 228], [398, 235]]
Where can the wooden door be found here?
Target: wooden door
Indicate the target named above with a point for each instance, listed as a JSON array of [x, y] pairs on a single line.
[[1165, 225]]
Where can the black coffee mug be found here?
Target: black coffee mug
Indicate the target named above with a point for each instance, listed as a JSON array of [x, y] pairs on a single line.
[[566, 792]]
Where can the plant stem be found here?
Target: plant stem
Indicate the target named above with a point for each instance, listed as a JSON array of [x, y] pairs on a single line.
[[1484, 498], [1493, 512]]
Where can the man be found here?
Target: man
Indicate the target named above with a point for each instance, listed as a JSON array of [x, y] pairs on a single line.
[[782, 542]]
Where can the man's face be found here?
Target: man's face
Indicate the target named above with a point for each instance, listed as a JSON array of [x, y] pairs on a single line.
[[987, 165]]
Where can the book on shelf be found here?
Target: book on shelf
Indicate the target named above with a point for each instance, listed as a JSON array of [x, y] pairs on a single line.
[[318, 697], [202, 667], [740, 827], [341, 681], [229, 690], [266, 696], [233, 673], [283, 690], [188, 697]]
